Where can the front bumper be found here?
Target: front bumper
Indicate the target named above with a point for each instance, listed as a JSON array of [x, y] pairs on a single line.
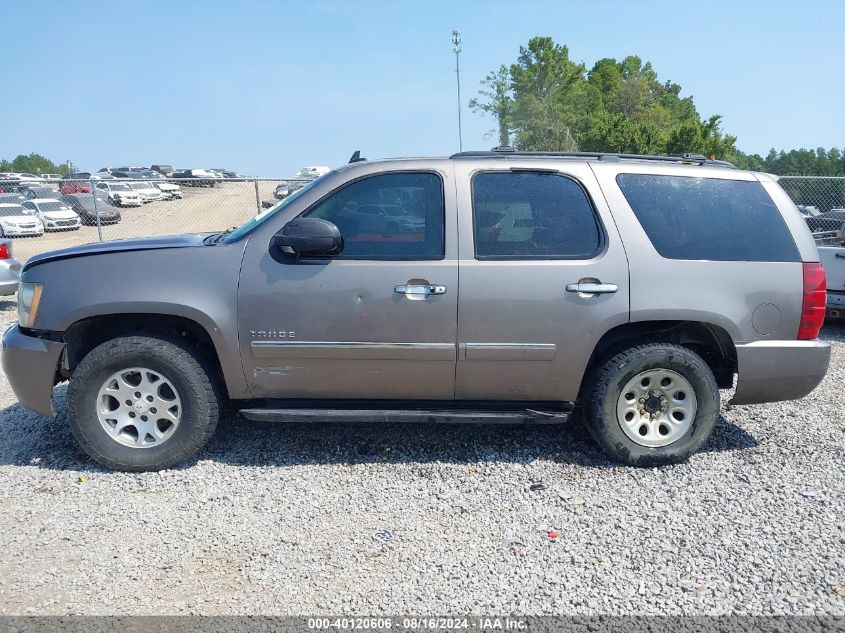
[[770, 371], [19, 232], [31, 365], [61, 225]]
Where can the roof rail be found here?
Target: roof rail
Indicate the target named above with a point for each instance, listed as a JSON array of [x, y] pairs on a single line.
[[506, 151]]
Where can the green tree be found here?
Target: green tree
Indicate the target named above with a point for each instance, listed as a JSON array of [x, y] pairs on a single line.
[[33, 164], [497, 101], [546, 86], [548, 102]]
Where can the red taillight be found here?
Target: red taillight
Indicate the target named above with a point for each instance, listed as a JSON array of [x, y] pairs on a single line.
[[5, 253], [815, 300]]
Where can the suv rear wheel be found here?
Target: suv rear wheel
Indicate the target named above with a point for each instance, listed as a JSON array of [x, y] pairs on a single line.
[[652, 404], [140, 403]]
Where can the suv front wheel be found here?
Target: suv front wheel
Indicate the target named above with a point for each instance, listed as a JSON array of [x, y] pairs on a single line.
[[139, 403], [652, 404]]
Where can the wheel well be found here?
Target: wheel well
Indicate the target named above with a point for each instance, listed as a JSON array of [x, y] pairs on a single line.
[[709, 341], [83, 336]]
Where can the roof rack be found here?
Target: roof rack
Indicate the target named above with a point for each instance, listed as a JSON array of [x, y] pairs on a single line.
[[506, 151]]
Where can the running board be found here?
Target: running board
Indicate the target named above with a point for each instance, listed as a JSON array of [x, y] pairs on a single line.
[[419, 416]]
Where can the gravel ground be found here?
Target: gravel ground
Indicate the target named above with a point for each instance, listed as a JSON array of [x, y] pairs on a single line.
[[281, 519]]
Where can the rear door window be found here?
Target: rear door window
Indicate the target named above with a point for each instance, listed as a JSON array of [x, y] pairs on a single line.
[[688, 217], [532, 215]]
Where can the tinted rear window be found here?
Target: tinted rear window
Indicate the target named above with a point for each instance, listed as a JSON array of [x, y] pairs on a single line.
[[687, 217]]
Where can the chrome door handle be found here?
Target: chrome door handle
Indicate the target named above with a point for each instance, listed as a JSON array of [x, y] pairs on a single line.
[[588, 288], [419, 290]]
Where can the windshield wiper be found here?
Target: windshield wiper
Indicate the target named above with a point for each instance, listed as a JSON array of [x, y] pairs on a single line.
[[216, 238]]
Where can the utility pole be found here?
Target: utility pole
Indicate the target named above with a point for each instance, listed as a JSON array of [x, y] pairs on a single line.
[[456, 46]]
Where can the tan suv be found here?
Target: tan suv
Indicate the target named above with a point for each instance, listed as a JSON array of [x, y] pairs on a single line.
[[486, 286]]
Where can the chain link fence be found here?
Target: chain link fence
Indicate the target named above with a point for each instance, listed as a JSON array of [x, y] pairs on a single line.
[[821, 200], [107, 209]]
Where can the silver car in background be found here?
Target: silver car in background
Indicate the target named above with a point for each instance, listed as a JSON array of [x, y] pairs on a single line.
[[10, 269]]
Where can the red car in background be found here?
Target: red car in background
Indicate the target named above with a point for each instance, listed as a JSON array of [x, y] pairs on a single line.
[[78, 182]]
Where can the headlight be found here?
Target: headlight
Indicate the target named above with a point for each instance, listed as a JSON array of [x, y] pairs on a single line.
[[29, 296]]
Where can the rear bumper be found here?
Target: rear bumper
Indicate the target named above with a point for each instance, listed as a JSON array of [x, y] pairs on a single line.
[[770, 371], [30, 366]]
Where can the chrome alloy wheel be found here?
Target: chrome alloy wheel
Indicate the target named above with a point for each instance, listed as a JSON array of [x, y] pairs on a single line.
[[656, 407], [139, 407]]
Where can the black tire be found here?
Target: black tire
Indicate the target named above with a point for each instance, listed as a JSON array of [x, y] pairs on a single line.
[[191, 375], [603, 389]]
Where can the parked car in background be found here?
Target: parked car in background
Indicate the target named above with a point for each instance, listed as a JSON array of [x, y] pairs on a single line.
[[10, 184], [827, 228], [10, 269], [286, 188], [78, 182], [51, 177], [163, 169], [15, 221], [89, 208], [124, 175], [808, 210], [833, 260], [313, 172], [226, 173], [54, 214], [169, 190], [120, 194], [31, 193], [195, 177], [25, 178], [146, 190]]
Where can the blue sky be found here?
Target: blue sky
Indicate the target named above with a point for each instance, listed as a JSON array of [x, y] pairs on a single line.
[[266, 87]]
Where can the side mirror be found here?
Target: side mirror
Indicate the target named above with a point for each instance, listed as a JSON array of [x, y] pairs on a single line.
[[308, 236]]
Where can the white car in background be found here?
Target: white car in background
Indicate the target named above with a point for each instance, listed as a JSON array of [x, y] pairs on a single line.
[[117, 193], [147, 190], [15, 221], [313, 171], [171, 191], [26, 178], [55, 215]]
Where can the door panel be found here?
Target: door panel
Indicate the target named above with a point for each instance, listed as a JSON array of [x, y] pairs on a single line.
[[339, 328], [521, 334]]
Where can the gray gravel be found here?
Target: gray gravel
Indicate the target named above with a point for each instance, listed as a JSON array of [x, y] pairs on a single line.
[[281, 519]]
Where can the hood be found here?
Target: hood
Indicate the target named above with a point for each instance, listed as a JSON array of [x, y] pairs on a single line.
[[117, 246], [21, 219], [64, 214]]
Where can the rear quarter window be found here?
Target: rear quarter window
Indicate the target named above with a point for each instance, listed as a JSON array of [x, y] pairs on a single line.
[[688, 217]]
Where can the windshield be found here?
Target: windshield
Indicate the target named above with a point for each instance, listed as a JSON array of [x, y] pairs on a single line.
[[261, 218], [119, 187], [51, 206], [9, 210]]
